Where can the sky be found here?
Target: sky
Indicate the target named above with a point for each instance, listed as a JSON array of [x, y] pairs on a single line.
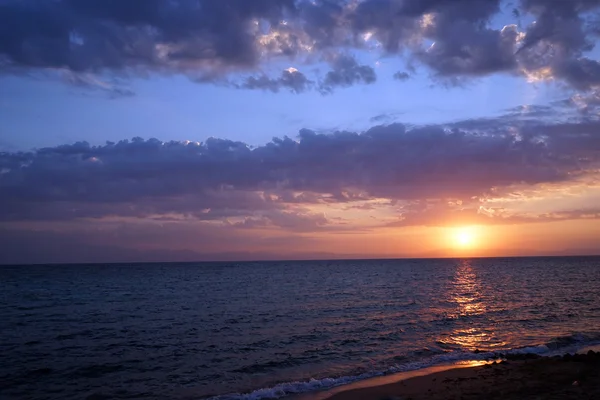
[[191, 130]]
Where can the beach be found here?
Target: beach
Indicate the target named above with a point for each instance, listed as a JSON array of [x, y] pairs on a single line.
[[518, 377]]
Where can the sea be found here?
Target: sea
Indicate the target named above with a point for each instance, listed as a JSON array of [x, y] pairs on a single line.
[[263, 330]]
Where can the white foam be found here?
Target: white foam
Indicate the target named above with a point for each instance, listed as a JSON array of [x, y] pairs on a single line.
[[285, 389]]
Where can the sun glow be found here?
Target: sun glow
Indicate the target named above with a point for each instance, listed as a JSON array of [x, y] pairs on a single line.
[[464, 237]]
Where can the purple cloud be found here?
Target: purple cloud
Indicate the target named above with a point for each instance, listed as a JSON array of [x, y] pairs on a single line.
[[221, 178]]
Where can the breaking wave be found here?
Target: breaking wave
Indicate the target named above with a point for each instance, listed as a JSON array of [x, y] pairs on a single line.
[[556, 346]]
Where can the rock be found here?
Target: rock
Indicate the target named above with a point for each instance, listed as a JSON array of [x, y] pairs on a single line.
[[520, 357]]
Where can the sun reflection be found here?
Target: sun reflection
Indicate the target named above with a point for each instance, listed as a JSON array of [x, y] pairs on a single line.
[[470, 339], [467, 290]]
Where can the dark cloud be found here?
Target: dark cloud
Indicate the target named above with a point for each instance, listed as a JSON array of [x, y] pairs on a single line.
[[91, 35], [580, 73], [290, 79], [324, 22], [391, 27], [462, 43], [401, 76], [462, 50], [398, 24], [554, 45], [208, 40], [469, 10], [559, 23], [347, 72]]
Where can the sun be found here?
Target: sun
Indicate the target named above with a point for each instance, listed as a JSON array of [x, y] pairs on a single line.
[[464, 237]]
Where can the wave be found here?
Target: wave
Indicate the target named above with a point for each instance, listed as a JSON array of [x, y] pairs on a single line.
[[558, 345]]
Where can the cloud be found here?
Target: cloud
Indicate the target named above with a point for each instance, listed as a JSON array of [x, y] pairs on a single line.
[[560, 24], [211, 41], [463, 50], [285, 219], [586, 103], [444, 213], [553, 46], [401, 76], [278, 182], [386, 117], [89, 81], [347, 72], [291, 79], [92, 35], [581, 73], [145, 199]]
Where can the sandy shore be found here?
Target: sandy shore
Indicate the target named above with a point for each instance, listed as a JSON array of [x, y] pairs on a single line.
[[519, 377]]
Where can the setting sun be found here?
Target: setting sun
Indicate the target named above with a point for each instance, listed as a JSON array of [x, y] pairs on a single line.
[[464, 237]]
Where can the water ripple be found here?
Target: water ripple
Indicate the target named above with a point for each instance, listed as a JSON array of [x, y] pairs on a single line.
[[197, 330]]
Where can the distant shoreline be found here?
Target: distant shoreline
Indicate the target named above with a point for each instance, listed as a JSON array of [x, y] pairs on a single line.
[[294, 260]]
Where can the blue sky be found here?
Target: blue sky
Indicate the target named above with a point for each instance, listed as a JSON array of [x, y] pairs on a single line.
[[38, 113]]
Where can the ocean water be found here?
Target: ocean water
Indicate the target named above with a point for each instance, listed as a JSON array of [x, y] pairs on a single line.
[[268, 329]]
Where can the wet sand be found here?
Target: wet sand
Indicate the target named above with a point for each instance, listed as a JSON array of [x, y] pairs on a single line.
[[518, 377]]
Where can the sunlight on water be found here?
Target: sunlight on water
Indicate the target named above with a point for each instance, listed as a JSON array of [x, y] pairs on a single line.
[[467, 292], [280, 327]]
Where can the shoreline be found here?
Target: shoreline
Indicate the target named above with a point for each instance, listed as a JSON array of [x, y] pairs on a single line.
[[323, 390], [383, 380], [515, 377]]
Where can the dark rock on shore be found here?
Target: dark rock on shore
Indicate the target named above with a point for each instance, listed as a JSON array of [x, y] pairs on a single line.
[[521, 357]]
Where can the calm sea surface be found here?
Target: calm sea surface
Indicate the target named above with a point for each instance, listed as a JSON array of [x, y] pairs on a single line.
[[265, 329]]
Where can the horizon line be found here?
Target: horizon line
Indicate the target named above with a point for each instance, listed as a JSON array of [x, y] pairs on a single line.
[[72, 263]]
